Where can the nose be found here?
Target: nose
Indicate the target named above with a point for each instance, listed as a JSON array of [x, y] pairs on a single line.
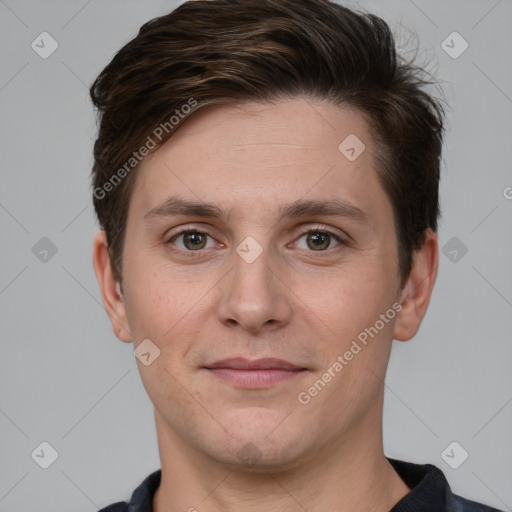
[[252, 297]]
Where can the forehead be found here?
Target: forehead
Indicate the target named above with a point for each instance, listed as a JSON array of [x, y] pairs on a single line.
[[262, 156]]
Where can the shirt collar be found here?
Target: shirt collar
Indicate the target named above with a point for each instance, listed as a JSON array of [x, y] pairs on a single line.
[[428, 485], [429, 489]]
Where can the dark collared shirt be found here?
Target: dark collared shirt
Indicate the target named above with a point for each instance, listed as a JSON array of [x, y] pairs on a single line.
[[429, 492]]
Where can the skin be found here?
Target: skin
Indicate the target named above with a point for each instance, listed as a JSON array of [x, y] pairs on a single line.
[[292, 302]]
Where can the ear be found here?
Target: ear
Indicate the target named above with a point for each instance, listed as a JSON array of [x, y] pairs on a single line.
[[110, 289], [415, 295]]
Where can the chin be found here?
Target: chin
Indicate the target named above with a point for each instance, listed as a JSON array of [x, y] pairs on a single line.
[[257, 422], [257, 456], [260, 441]]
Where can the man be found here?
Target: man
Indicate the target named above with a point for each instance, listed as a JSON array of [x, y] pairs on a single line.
[[266, 179]]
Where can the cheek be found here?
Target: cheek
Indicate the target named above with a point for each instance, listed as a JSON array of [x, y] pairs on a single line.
[[351, 306], [349, 299], [154, 303], [168, 307]]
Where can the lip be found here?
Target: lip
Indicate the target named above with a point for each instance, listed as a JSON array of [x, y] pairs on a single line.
[[241, 363], [254, 374]]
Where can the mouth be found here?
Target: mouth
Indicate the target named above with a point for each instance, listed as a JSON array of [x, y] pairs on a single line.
[[255, 374]]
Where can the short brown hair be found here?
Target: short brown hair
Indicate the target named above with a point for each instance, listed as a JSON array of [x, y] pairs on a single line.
[[229, 51]]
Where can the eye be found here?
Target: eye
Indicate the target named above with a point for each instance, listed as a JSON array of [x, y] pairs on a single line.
[[316, 240], [190, 240]]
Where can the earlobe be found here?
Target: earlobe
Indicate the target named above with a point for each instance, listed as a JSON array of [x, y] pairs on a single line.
[[416, 293], [110, 288]]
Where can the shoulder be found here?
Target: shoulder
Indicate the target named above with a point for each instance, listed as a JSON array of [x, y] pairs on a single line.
[[121, 506], [455, 503], [430, 491], [142, 496]]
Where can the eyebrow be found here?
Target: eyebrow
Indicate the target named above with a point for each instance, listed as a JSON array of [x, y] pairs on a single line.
[[301, 208]]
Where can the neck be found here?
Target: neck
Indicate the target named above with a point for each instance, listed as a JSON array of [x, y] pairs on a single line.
[[351, 474]]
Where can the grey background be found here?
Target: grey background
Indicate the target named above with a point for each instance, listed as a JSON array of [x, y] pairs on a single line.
[[65, 378]]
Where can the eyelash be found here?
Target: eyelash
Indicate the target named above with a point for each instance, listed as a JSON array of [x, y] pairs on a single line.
[[320, 230]]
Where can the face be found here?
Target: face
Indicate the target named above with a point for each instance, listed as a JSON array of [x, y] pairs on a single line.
[[252, 236]]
